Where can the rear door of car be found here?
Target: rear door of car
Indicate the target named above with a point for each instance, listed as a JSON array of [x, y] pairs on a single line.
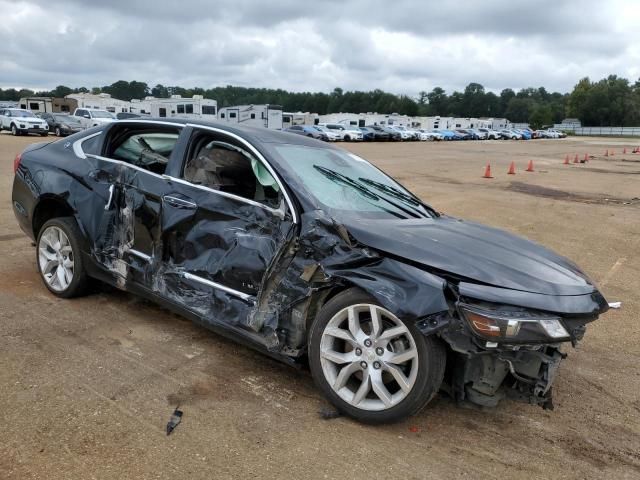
[[133, 160], [225, 219]]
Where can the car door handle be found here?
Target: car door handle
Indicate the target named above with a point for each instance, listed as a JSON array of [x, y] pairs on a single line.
[[179, 202]]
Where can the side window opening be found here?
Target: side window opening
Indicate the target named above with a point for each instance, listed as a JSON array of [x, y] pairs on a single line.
[[219, 164], [144, 147]]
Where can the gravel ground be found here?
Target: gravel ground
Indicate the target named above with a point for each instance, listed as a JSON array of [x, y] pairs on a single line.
[[87, 385]]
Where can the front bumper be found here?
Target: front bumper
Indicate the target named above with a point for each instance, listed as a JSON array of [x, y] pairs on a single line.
[[28, 128], [483, 370], [522, 375]]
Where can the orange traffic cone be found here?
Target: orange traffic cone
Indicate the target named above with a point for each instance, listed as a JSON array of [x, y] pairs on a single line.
[[575, 160], [530, 167], [566, 160], [487, 171], [624, 151], [586, 158], [606, 153], [512, 169]]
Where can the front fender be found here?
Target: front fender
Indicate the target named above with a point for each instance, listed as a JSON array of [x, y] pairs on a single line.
[[406, 291]]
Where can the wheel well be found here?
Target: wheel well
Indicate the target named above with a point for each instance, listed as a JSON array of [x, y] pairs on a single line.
[[322, 298], [47, 209]]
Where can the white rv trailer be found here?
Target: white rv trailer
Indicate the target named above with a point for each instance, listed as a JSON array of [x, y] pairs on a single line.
[[102, 101], [176, 106], [370, 118], [436, 123], [268, 116], [289, 119], [48, 104]]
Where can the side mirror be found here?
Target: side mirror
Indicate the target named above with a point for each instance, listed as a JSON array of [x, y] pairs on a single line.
[[86, 115]]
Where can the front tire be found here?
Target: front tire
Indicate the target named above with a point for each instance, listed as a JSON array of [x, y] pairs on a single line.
[[14, 130], [59, 258], [370, 364]]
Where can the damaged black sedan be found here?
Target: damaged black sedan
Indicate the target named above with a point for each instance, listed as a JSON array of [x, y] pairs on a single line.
[[304, 251]]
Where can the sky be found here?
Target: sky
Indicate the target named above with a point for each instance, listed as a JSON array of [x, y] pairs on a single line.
[[400, 46]]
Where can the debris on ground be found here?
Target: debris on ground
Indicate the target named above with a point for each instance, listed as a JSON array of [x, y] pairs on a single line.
[[175, 419], [329, 413]]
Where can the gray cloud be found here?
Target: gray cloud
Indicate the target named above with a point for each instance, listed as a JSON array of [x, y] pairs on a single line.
[[403, 46]]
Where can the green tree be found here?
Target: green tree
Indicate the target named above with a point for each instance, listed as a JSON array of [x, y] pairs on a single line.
[[542, 115], [438, 102]]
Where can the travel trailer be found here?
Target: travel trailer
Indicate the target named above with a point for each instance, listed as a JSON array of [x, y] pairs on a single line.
[[48, 104], [289, 119], [176, 106], [101, 101], [269, 116]]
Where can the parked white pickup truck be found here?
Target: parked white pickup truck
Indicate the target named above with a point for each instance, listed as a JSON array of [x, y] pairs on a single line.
[[21, 122], [90, 117]]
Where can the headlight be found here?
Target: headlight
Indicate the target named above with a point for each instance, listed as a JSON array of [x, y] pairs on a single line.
[[502, 323]]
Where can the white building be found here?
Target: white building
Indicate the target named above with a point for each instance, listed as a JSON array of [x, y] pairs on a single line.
[[176, 106], [102, 101], [269, 116], [290, 119], [568, 124]]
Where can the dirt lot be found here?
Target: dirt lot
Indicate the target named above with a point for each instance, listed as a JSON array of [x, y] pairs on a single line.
[[87, 386]]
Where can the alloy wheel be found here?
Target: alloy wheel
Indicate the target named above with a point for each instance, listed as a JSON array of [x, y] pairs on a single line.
[[369, 357], [56, 258]]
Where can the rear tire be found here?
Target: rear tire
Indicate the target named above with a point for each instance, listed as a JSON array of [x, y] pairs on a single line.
[[58, 131], [59, 258], [375, 374]]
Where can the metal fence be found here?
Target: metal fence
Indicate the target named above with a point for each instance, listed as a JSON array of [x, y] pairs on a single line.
[[607, 131]]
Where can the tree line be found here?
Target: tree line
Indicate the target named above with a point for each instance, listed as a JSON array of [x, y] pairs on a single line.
[[612, 101]]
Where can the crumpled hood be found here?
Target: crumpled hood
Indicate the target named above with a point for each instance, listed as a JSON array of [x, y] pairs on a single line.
[[476, 252]]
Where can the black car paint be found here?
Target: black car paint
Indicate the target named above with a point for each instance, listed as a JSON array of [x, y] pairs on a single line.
[[286, 265], [54, 122]]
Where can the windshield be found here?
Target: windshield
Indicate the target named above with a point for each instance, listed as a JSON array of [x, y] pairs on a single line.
[[101, 114], [322, 129], [346, 184], [66, 119], [21, 113]]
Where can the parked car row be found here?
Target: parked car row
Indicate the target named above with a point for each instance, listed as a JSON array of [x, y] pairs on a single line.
[[332, 132], [20, 121], [23, 122]]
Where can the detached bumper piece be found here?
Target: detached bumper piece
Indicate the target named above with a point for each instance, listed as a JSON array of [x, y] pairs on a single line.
[[524, 375]]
